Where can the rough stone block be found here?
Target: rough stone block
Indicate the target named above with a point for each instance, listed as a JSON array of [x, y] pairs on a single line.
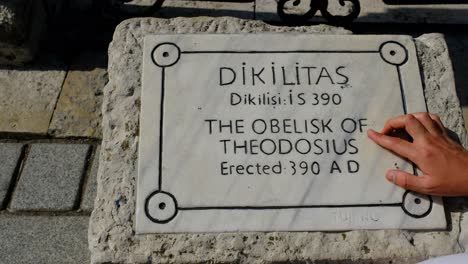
[[43, 239], [78, 111], [458, 47], [51, 177], [440, 92], [465, 116], [22, 22], [10, 154], [89, 192], [111, 234], [29, 94]]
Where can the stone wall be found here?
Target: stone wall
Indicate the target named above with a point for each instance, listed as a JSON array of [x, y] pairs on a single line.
[[111, 234]]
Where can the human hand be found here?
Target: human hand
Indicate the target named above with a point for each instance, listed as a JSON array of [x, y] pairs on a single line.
[[443, 161]]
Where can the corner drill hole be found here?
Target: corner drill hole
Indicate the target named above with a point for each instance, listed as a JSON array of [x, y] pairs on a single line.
[[417, 201], [165, 54], [162, 206], [392, 52]]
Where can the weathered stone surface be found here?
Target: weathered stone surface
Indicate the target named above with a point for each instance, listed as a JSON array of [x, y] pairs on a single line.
[[78, 111], [89, 191], [376, 12], [441, 97], [10, 154], [465, 115], [458, 48], [29, 94], [51, 177], [21, 24], [111, 234], [43, 239], [440, 91], [189, 8]]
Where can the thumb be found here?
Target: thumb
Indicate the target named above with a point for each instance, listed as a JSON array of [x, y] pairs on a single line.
[[405, 180]]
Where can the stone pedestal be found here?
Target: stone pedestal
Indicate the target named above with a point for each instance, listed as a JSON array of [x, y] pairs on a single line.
[[112, 235]]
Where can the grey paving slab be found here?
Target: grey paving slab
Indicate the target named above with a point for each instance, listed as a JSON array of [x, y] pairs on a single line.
[[10, 154], [89, 192], [43, 239], [51, 177]]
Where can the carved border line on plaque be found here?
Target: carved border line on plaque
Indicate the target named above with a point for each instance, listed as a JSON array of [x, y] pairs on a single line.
[[161, 207]]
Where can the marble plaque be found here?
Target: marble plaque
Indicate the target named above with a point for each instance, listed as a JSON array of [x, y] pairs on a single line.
[[267, 132]]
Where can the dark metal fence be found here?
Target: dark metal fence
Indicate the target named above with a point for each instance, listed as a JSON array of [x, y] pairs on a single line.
[[116, 7]]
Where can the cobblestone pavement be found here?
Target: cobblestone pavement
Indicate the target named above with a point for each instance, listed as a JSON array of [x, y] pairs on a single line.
[[50, 130], [47, 191]]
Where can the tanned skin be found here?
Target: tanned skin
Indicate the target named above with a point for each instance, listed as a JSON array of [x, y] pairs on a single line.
[[443, 161]]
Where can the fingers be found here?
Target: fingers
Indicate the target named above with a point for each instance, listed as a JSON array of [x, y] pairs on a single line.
[[406, 180], [417, 124], [436, 119], [412, 125], [397, 145], [427, 121]]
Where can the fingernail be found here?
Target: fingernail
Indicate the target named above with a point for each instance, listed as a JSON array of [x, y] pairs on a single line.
[[391, 175], [370, 131]]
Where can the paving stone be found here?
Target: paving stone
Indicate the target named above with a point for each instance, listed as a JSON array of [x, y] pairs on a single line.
[[10, 154], [78, 111], [377, 12], [29, 94], [89, 192], [51, 177], [43, 239], [22, 22]]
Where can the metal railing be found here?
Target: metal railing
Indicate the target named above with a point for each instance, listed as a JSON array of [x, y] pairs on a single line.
[[322, 5], [117, 7]]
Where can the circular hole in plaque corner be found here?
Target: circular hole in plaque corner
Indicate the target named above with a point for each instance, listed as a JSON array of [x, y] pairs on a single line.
[[393, 53], [161, 207], [166, 54], [416, 205]]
